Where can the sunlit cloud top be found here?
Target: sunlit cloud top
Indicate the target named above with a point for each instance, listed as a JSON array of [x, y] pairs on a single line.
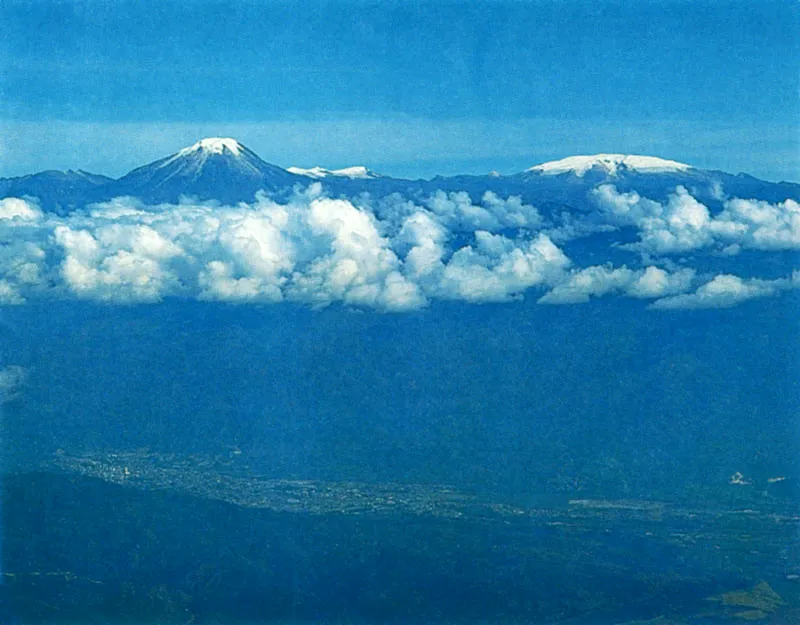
[[394, 253]]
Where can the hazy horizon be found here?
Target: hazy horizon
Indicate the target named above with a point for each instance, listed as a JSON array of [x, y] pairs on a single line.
[[410, 90]]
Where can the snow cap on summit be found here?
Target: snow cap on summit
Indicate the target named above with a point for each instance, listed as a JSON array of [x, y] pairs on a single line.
[[579, 165], [214, 145]]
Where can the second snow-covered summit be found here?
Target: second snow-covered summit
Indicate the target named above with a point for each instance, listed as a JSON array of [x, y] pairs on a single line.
[[358, 172], [611, 164]]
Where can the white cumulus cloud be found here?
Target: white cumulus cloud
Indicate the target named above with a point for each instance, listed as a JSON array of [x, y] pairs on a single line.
[[726, 290], [760, 225], [656, 282], [600, 280], [457, 211], [116, 262], [684, 224], [392, 254], [17, 209], [496, 268]]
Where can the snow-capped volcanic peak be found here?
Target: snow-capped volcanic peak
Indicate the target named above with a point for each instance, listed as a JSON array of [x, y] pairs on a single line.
[[214, 145], [611, 163], [357, 172], [195, 157], [212, 169]]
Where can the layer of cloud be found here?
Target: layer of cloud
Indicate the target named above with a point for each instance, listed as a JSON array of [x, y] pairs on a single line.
[[726, 290], [683, 224], [313, 250], [395, 254], [597, 281]]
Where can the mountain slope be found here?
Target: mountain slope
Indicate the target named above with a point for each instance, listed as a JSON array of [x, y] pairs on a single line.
[[214, 168], [56, 191]]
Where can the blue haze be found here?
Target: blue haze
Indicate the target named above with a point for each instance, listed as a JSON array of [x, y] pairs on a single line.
[[605, 400]]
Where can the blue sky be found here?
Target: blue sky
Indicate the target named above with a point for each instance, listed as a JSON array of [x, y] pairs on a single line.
[[407, 88]]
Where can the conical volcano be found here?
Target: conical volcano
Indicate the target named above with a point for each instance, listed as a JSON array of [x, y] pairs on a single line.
[[214, 168]]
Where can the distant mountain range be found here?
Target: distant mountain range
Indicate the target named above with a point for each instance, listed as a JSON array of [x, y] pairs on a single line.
[[225, 170]]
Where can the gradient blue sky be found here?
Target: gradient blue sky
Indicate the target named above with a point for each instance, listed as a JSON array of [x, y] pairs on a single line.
[[407, 88]]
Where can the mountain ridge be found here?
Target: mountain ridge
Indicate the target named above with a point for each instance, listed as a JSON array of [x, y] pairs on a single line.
[[225, 170]]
